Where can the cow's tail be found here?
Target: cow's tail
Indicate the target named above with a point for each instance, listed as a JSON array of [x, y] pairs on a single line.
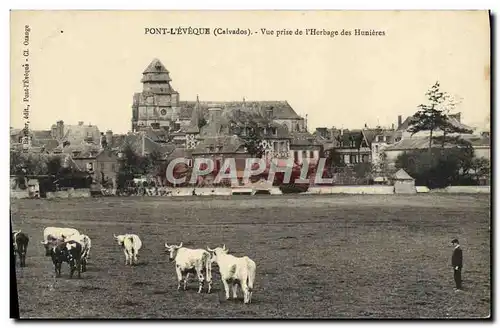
[[251, 267]]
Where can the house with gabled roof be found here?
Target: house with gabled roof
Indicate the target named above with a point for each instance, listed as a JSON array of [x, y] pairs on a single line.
[[352, 146]]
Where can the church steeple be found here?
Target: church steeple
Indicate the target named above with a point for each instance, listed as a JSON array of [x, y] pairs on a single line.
[[156, 79], [156, 72], [196, 115]]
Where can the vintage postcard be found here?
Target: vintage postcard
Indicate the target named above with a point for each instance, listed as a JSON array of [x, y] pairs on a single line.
[[250, 164]]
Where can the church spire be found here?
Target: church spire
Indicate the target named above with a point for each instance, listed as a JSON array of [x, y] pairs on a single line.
[[156, 73]]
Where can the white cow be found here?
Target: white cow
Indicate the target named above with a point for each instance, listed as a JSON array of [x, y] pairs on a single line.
[[235, 271], [131, 245], [52, 234], [86, 243], [187, 261]]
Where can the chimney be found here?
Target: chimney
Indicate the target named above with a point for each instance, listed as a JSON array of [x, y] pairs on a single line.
[[80, 123], [400, 120], [109, 137], [53, 131], [214, 114], [393, 126], [60, 129], [270, 113], [458, 116]]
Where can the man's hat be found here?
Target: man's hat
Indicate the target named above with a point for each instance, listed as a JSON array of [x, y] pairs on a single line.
[[454, 241]]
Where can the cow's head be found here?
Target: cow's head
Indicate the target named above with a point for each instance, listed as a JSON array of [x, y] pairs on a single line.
[[50, 244], [119, 239], [14, 242], [218, 251], [172, 249]]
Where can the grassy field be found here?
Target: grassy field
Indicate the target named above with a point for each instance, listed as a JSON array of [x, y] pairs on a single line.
[[363, 256]]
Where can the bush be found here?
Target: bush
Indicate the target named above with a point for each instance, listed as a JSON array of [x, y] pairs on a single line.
[[440, 168]]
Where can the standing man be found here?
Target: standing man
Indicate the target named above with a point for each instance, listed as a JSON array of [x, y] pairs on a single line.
[[457, 262]]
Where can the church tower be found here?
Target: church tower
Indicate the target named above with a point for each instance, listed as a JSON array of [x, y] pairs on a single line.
[[157, 105]]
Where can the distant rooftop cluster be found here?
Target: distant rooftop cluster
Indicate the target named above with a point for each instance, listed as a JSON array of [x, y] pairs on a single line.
[[164, 124]]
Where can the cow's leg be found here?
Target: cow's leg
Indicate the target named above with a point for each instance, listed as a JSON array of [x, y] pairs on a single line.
[[226, 288], [186, 280], [72, 269], [126, 256], [201, 280], [209, 276], [79, 268], [135, 257], [235, 290], [179, 277], [244, 288]]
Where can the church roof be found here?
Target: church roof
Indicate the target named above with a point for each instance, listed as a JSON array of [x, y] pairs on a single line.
[[220, 145], [281, 110], [155, 66]]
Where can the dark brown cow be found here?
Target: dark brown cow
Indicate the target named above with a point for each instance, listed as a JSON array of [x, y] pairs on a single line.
[[20, 243], [70, 252]]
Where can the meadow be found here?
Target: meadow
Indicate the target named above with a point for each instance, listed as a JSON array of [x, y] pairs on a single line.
[[335, 256]]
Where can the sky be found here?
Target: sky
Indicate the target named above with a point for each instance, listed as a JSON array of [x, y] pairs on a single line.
[[86, 65]]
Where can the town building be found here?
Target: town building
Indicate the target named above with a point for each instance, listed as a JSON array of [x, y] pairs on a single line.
[[209, 127]]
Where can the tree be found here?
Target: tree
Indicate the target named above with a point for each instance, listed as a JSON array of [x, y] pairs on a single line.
[[481, 168], [363, 171], [334, 159], [54, 165], [202, 122], [430, 117], [131, 165], [440, 167], [253, 142], [27, 163]]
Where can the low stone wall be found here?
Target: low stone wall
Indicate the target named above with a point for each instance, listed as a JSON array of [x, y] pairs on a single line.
[[70, 193], [372, 190], [57, 194], [275, 191], [422, 189], [19, 194], [79, 193], [200, 191], [464, 190]]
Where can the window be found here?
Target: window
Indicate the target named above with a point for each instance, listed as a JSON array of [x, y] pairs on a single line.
[[113, 167], [376, 148], [102, 166], [346, 159]]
